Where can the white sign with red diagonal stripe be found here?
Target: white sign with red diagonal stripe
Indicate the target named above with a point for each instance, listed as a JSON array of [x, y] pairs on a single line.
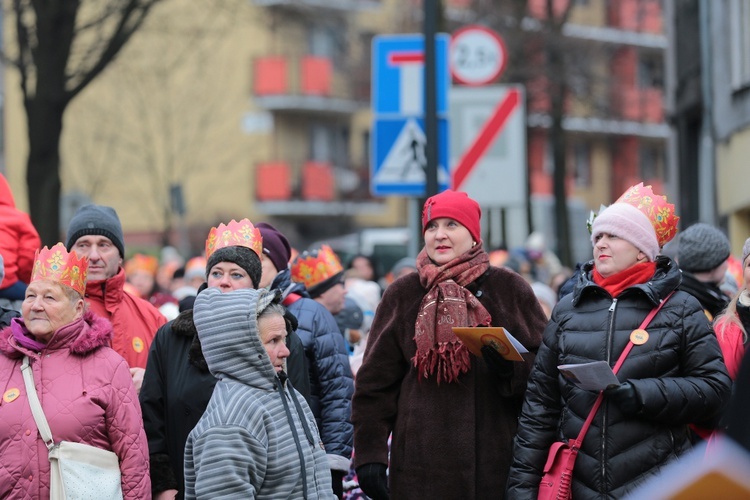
[[488, 144]]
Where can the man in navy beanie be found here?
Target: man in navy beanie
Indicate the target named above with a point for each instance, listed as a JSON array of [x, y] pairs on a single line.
[[95, 231]]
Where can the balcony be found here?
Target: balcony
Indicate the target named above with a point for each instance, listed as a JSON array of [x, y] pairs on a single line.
[[635, 15], [639, 105], [324, 5], [308, 84], [313, 189]]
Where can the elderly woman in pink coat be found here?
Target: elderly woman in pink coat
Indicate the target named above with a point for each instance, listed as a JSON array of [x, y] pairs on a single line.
[[84, 386]]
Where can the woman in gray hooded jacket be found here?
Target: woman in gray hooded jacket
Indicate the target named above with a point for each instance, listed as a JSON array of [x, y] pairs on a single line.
[[257, 437]]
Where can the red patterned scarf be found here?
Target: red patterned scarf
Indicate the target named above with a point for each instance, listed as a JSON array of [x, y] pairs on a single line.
[[447, 304], [634, 275]]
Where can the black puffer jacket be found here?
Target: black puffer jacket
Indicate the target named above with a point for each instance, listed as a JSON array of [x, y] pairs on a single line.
[[678, 374]]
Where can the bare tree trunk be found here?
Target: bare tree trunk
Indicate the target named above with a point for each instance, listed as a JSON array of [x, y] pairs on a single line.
[[43, 168], [557, 138], [45, 34]]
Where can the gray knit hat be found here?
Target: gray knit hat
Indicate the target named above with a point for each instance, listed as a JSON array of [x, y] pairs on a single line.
[[244, 257], [703, 247], [97, 220], [745, 251]]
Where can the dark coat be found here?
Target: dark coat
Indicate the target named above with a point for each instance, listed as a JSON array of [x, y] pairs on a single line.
[[451, 440], [678, 374], [331, 379], [176, 389], [712, 299], [6, 315]]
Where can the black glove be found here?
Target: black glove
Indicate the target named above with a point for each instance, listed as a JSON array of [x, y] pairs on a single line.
[[337, 478], [497, 364], [625, 397], [373, 481]]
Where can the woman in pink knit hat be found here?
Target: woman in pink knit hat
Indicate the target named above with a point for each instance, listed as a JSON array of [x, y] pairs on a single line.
[[673, 376], [452, 415]]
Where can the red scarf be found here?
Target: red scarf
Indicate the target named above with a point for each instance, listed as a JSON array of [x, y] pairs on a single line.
[[634, 275], [447, 304]]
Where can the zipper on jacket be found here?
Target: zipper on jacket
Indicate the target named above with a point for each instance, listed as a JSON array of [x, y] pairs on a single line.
[[603, 431]]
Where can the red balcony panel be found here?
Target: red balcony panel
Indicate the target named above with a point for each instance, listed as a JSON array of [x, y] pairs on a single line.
[[538, 91], [636, 15], [651, 17], [628, 105], [270, 76], [273, 182], [624, 66], [317, 75], [653, 105], [623, 14], [459, 3], [538, 8], [318, 183], [541, 183], [625, 171]]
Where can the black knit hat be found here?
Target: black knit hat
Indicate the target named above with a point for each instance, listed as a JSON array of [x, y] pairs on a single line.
[[703, 247], [325, 285], [242, 256], [97, 220]]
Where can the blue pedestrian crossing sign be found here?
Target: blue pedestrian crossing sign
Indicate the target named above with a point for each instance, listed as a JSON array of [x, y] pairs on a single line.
[[400, 157], [398, 163]]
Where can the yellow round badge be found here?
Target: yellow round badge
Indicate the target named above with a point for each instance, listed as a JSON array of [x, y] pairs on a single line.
[[639, 337], [138, 344], [11, 395]]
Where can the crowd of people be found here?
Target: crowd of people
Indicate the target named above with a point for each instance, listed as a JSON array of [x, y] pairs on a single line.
[[253, 370]]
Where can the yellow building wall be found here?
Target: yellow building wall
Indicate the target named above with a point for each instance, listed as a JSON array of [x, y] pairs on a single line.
[[168, 110], [732, 191], [598, 191], [592, 14]]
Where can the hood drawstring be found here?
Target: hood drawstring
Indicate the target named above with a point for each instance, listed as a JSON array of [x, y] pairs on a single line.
[[290, 419], [301, 414]]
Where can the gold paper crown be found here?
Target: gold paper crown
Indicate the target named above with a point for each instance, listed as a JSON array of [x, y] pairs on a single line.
[[313, 268], [234, 234], [58, 265], [140, 262], [656, 208]]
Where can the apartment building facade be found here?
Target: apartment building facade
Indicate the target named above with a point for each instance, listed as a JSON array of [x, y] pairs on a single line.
[[260, 109]]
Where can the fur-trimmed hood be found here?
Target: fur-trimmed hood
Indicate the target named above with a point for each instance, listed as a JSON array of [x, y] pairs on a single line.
[[80, 337]]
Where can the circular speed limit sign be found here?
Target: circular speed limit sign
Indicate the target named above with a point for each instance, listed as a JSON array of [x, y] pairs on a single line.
[[477, 55]]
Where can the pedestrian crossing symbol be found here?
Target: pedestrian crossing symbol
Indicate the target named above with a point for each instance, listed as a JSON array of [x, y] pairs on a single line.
[[402, 169]]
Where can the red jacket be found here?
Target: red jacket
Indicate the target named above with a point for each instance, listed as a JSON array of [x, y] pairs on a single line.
[[134, 320], [19, 239], [732, 342], [87, 395]]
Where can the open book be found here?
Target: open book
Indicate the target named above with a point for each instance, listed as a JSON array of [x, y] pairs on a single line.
[[474, 338], [594, 376]]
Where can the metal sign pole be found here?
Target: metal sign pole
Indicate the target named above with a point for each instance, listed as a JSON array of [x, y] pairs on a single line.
[[430, 96]]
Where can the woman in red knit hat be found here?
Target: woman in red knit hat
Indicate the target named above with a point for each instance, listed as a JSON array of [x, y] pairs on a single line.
[[452, 415]]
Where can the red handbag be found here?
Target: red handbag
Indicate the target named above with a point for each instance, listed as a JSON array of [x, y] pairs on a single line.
[[557, 475]]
